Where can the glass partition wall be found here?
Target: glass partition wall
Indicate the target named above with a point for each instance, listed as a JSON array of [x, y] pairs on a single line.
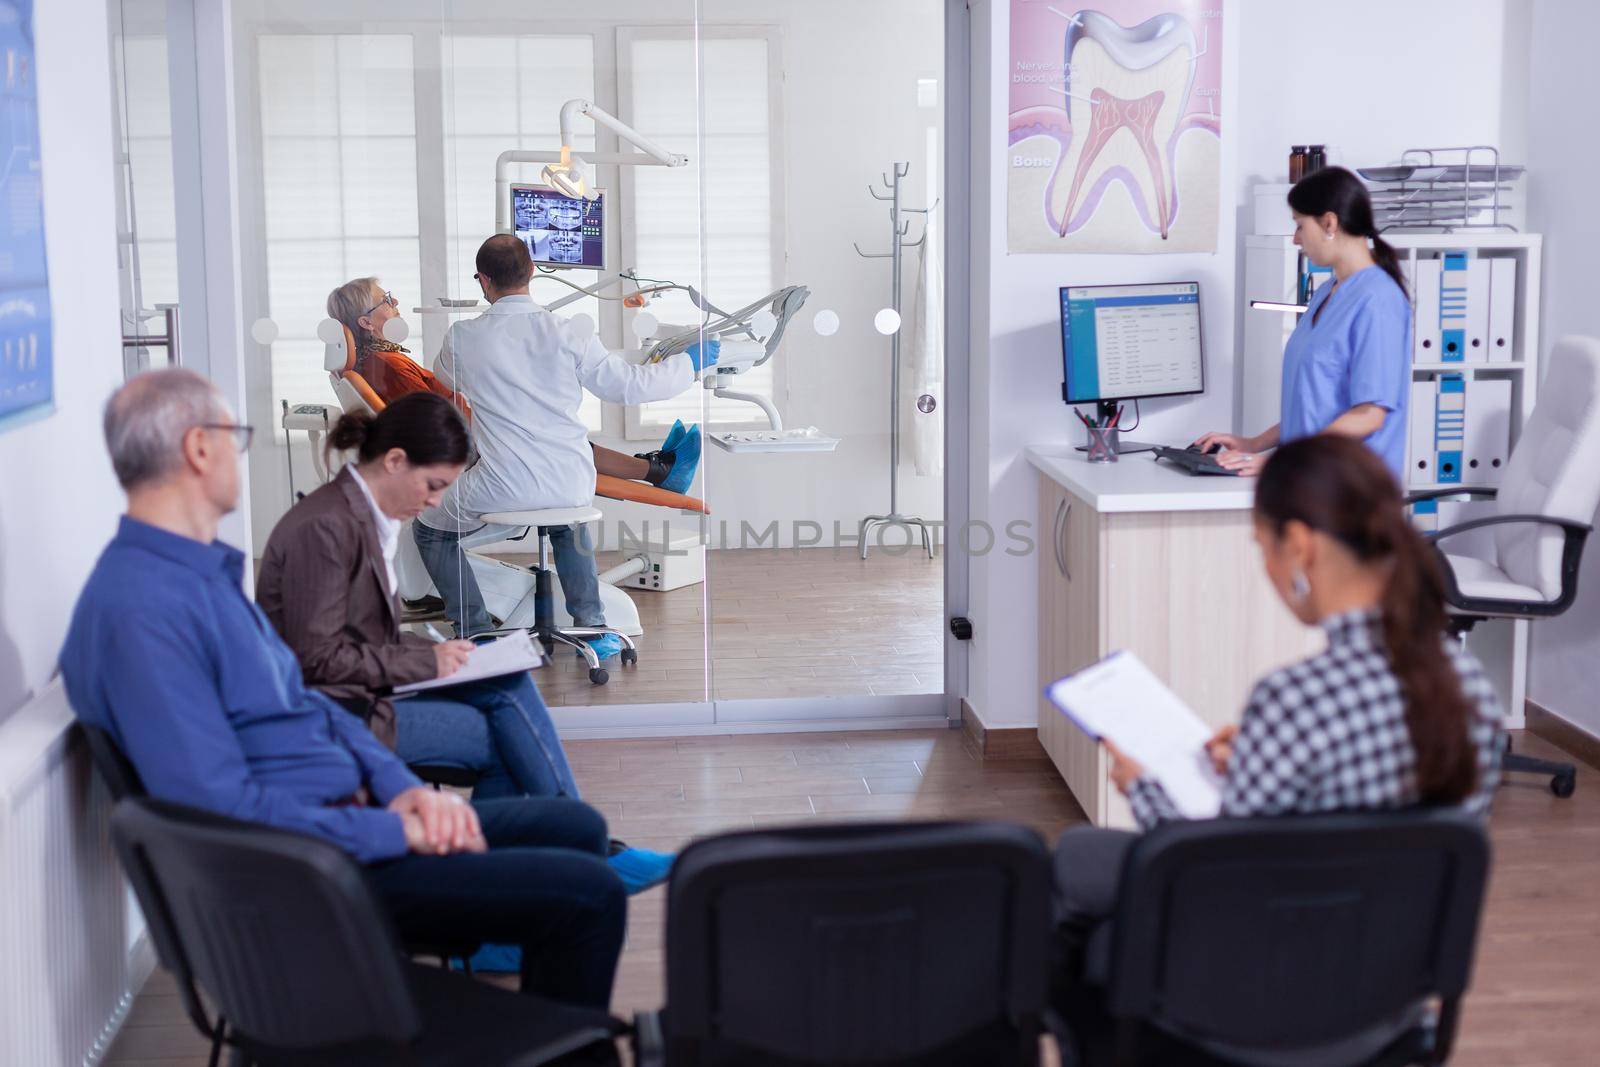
[[681, 173]]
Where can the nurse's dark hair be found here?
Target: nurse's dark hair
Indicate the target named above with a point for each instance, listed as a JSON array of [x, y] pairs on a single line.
[[1336, 190], [1339, 487], [425, 426]]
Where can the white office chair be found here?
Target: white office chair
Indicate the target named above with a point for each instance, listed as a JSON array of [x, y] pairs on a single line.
[[1550, 491]]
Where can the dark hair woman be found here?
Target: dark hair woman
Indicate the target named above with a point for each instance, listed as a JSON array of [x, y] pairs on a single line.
[[328, 585], [1347, 365], [1392, 713]]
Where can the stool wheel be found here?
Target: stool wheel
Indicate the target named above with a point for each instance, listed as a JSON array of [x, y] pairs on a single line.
[[1563, 785], [599, 675], [630, 656]]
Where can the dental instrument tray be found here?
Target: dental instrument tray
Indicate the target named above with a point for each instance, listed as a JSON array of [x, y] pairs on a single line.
[[1444, 189], [805, 439]]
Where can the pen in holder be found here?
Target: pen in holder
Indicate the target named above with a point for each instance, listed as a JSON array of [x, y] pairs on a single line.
[[1102, 443]]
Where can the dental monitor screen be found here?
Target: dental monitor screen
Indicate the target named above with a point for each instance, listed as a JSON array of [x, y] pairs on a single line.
[[560, 231], [1129, 342]]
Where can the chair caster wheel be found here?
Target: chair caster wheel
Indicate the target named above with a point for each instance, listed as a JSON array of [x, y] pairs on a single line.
[[1563, 785], [599, 675], [630, 656]]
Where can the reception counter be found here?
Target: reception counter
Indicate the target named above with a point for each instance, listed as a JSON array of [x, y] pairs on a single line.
[[1142, 556]]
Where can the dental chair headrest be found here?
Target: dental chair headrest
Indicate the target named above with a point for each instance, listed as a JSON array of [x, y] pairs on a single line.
[[339, 356]]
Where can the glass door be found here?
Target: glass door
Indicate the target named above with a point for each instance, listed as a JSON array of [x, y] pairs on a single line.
[[147, 245]]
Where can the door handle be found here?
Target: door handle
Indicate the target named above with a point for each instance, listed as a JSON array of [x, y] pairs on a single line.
[[1066, 558]]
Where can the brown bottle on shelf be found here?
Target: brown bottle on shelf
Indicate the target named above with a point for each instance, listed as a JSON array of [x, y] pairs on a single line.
[[1297, 163]]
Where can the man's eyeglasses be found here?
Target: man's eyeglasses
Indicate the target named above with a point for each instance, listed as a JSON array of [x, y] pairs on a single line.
[[241, 434], [388, 298]]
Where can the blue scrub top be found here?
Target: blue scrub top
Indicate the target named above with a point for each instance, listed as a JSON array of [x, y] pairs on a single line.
[[1357, 352]]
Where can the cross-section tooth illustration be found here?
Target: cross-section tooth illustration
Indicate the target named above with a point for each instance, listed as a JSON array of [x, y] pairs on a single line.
[[1127, 89]]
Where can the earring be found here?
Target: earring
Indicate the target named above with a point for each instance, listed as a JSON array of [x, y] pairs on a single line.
[[1328, 236], [1300, 585]]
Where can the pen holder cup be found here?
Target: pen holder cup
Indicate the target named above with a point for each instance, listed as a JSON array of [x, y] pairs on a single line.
[[1102, 443]]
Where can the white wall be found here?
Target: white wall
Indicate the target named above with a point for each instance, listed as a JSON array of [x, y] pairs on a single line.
[[1292, 73], [1561, 204], [60, 499]]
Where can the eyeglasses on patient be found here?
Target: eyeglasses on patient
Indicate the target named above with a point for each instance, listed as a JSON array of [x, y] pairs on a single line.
[[388, 298]]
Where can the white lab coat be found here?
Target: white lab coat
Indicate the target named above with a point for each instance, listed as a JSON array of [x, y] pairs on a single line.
[[525, 369]]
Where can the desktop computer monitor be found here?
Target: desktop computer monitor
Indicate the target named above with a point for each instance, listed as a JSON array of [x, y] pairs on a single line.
[[560, 230], [1130, 342]]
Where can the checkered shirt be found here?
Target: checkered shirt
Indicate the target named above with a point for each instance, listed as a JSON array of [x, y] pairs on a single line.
[[1329, 734]]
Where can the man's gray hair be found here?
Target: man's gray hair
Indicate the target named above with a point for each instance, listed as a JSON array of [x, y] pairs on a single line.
[[146, 419]]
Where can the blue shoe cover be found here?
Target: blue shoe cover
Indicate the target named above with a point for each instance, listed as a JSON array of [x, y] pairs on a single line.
[[674, 436], [640, 868], [605, 646], [686, 463], [494, 959]]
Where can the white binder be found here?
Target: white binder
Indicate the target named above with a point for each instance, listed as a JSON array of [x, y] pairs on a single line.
[[1419, 465], [1426, 347], [1477, 319], [1502, 310], [1487, 443], [1453, 290]]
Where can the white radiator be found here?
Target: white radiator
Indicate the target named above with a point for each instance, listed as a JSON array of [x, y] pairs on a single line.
[[66, 979]]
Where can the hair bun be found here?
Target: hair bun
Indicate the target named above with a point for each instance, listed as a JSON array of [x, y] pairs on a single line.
[[349, 432]]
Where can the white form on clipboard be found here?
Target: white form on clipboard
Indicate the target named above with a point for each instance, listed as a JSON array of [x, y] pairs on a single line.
[[511, 654], [1120, 699]]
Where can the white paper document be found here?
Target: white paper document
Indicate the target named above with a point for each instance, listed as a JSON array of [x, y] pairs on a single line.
[[1120, 699], [512, 653]]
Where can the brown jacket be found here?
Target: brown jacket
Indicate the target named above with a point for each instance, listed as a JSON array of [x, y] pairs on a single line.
[[323, 585]]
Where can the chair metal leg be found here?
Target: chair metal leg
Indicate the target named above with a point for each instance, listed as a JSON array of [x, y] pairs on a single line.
[[1563, 776]]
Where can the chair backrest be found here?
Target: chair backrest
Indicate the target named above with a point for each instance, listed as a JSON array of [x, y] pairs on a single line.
[[1553, 470], [280, 930], [1296, 932], [355, 393], [118, 771], [905, 943]]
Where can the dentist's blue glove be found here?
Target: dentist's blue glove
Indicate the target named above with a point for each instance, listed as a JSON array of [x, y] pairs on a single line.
[[704, 355]]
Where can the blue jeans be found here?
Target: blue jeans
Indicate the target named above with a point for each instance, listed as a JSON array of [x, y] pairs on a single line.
[[446, 563], [544, 884], [498, 727]]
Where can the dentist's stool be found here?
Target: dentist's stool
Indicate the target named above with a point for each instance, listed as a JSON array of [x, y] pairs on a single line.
[[535, 612]]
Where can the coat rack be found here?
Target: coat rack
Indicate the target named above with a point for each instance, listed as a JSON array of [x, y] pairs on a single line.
[[898, 228]]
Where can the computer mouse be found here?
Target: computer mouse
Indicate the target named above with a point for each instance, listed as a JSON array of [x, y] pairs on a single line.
[[1213, 450]]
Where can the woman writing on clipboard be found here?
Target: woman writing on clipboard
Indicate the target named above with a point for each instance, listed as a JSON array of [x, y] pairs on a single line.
[[1347, 366]]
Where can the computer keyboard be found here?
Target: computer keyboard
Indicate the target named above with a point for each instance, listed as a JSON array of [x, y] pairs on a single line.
[[1192, 461]]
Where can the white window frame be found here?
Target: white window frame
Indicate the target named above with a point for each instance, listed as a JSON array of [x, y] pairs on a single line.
[[778, 161]]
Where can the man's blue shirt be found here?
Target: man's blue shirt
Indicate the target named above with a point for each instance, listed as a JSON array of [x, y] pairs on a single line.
[[167, 654]]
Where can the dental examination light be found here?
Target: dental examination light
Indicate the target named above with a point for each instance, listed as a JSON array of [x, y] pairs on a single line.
[[569, 173]]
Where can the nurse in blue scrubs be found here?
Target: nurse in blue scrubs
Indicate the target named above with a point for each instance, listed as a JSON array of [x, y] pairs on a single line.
[[1347, 366]]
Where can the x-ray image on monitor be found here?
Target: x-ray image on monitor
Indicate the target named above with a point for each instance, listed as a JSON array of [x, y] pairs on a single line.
[[559, 230]]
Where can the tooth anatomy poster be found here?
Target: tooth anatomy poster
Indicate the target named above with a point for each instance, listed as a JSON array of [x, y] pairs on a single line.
[[1114, 139]]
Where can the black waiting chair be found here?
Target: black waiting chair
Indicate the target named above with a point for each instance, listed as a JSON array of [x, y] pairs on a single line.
[[909, 944], [285, 937], [122, 779], [1307, 940], [1543, 511]]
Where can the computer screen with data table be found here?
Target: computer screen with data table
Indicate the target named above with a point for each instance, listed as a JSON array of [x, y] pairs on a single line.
[[1131, 342]]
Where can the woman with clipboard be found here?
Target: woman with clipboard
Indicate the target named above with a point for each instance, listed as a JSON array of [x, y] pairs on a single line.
[[1391, 714], [328, 586]]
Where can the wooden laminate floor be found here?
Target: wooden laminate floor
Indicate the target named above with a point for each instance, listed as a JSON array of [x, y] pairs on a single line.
[[1534, 999], [817, 622]]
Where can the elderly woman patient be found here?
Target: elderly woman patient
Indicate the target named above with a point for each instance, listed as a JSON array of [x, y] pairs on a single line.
[[327, 584]]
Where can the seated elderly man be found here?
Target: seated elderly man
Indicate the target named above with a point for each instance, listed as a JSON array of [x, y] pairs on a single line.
[[167, 654]]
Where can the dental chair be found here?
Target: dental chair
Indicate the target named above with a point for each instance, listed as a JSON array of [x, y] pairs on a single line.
[[523, 597]]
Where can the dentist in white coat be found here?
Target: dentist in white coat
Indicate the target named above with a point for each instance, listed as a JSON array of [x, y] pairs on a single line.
[[525, 370]]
